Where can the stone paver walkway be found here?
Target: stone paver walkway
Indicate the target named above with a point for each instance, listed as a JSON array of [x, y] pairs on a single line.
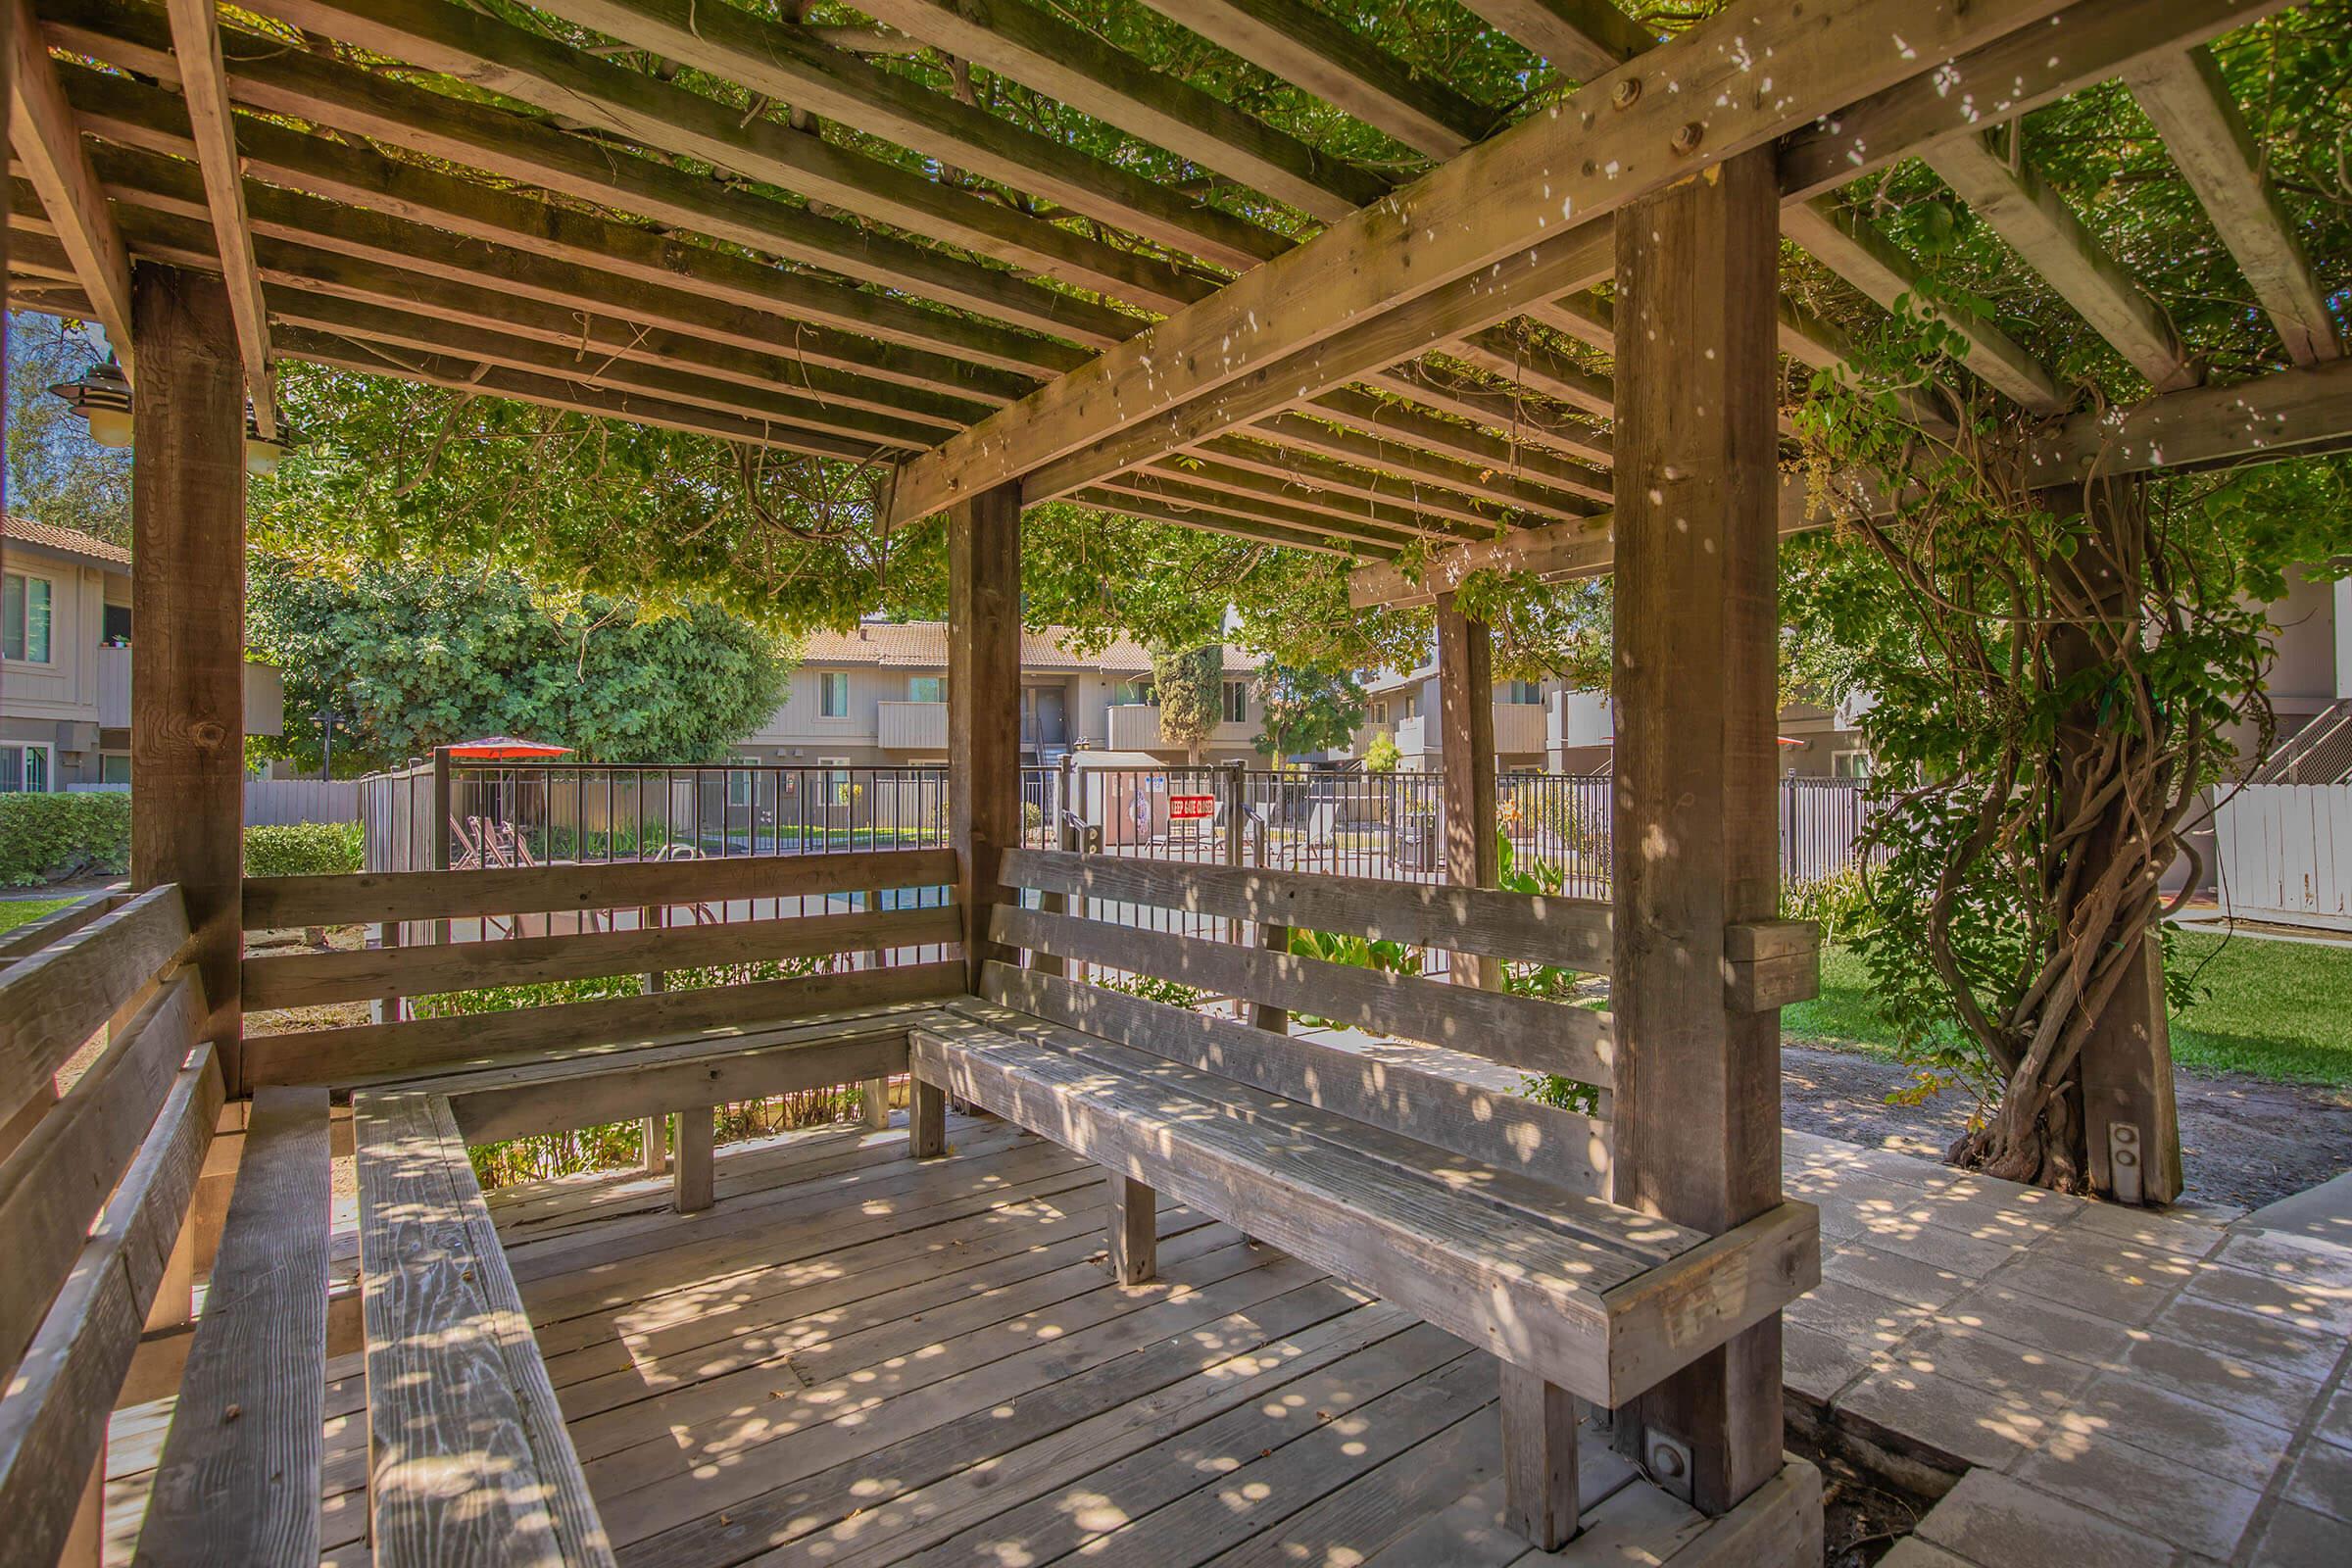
[[2120, 1388]]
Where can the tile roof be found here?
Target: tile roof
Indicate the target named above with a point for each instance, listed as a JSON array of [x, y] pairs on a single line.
[[923, 645], [66, 541]]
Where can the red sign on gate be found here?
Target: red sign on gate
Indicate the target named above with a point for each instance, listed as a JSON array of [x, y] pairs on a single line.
[[1191, 807]]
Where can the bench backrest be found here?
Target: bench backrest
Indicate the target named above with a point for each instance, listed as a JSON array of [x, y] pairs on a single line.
[[94, 1183]]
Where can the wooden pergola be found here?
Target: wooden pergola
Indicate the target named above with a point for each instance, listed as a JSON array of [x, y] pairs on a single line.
[[690, 215]]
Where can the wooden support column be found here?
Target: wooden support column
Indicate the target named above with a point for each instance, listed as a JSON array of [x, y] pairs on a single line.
[[1466, 720], [1134, 1216], [926, 1118], [873, 1102], [695, 1181], [1538, 1446], [1696, 828], [984, 703], [188, 591]]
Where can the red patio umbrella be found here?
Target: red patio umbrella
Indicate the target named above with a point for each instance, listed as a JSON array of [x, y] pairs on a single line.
[[506, 748]]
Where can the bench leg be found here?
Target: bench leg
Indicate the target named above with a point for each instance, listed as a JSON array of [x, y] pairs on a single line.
[[927, 1119], [1134, 1230], [652, 1146], [874, 1096], [1539, 1459], [693, 1181]]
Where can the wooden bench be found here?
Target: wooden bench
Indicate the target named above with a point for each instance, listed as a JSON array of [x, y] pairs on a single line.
[[1487, 1213], [95, 1197]]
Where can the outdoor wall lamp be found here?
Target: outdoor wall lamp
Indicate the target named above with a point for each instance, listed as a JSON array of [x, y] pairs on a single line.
[[103, 400]]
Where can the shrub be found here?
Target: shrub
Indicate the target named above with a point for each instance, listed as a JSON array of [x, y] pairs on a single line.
[[1840, 904], [1383, 754], [303, 849], [55, 838]]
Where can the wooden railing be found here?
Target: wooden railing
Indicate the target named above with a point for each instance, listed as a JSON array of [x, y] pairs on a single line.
[[506, 927]]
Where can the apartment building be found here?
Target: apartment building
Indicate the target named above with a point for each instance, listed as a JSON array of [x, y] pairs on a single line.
[[877, 697], [65, 661]]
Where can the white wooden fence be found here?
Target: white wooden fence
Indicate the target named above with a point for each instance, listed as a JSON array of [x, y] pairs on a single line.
[[2287, 854]]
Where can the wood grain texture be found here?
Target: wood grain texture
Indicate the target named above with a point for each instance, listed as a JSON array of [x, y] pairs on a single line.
[[1507, 1131], [302, 979], [1524, 928], [53, 1418], [1132, 1219], [276, 902], [412, 1049], [1539, 1459], [187, 594], [691, 1155], [53, 1000], [984, 724], [469, 1461], [1519, 1031], [1466, 721], [53, 1182], [239, 1475], [44, 133]]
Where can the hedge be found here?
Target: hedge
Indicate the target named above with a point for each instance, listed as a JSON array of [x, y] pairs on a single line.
[[75, 837]]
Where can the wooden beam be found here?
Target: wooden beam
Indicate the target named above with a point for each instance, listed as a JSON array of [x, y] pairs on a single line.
[[2035, 221], [782, 61], [1294, 460], [187, 593], [1320, 55], [1582, 38], [984, 721], [1026, 44], [1466, 721], [2185, 96], [1507, 212], [329, 93], [1474, 444], [1482, 480], [1154, 498], [1852, 248], [203, 89], [1698, 843], [558, 80], [42, 131], [1528, 420], [1199, 481]]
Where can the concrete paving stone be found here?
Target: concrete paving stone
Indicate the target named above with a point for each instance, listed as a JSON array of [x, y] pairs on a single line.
[[2321, 1479], [1967, 1426], [1971, 1255], [2276, 1342], [1863, 1318], [1982, 1207], [2189, 1508], [1999, 1522], [2042, 1379], [1913, 1552], [2174, 1233], [2038, 1321], [2335, 1422], [1850, 1200], [2231, 1381], [1816, 1365], [2298, 1538], [2118, 1408], [2119, 1294], [2282, 1256], [2320, 1214], [2298, 1301], [1890, 1274]]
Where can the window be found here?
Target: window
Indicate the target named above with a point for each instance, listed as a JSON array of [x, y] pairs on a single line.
[[1237, 702], [115, 629], [1128, 693], [113, 768], [739, 782], [833, 694], [25, 769], [1519, 693], [25, 609], [1379, 712], [835, 783], [1850, 764], [926, 688], [1412, 704]]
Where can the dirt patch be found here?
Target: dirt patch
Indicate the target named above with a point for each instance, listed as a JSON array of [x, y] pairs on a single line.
[[2243, 1142]]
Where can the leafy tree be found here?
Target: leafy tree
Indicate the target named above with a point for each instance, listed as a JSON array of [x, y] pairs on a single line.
[[56, 474], [1306, 709], [413, 658], [1383, 754], [1192, 689]]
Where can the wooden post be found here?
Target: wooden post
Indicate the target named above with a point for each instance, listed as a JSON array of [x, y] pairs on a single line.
[[695, 1181], [984, 714], [927, 1119], [1134, 1216], [1538, 1446], [1466, 720], [187, 590], [1697, 830]]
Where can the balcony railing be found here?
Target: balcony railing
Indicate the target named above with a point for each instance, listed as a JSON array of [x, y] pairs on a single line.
[[265, 694], [1135, 727], [911, 726], [1518, 728]]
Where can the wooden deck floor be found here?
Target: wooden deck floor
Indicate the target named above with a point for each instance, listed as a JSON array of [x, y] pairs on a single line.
[[858, 1359]]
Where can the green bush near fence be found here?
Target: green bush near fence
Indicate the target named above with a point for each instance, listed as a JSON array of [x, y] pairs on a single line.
[[64, 838], [303, 849]]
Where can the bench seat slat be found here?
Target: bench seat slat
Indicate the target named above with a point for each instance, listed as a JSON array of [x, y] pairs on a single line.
[[1528, 1293], [238, 1477], [1506, 1131], [1545, 1037], [1522, 928], [469, 1461]]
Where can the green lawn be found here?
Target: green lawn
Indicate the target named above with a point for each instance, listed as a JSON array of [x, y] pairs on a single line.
[[15, 913], [2281, 1010]]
